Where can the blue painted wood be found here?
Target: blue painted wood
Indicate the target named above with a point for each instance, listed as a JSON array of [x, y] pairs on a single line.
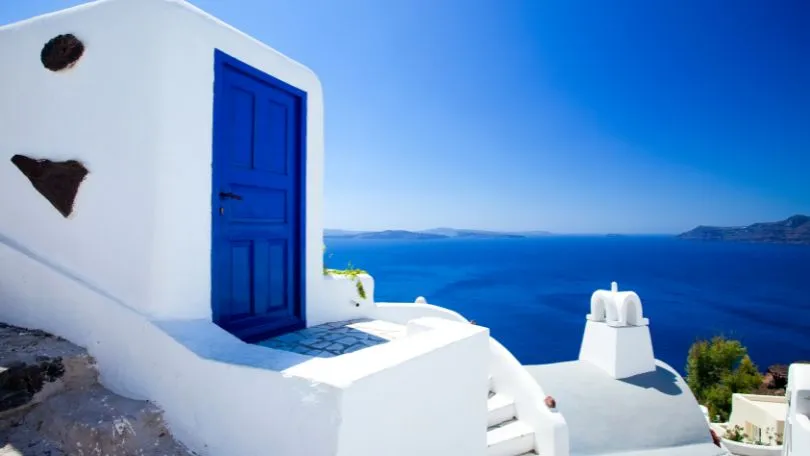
[[258, 202]]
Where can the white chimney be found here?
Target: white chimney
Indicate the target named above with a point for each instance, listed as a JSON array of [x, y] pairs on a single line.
[[617, 336]]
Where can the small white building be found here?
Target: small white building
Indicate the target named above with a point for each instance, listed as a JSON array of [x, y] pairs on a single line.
[[761, 417], [163, 179]]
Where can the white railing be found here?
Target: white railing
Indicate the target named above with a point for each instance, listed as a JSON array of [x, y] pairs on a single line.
[[508, 376]]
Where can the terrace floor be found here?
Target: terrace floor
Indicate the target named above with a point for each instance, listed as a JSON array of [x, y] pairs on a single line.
[[336, 338]]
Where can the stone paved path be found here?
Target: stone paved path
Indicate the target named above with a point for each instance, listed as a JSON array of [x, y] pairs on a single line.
[[337, 338]]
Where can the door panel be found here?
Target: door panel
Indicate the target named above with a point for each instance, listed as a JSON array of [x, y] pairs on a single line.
[[258, 202]]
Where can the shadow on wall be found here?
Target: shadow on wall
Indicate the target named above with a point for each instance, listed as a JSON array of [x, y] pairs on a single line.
[[661, 379]]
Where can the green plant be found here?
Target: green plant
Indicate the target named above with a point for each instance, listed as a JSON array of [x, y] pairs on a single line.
[[718, 368], [350, 272], [735, 434], [354, 274]]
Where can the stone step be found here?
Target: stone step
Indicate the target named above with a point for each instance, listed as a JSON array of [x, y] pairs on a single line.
[[510, 439], [500, 408], [52, 404]]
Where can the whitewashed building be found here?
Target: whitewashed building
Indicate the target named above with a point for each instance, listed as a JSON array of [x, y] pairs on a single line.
[[163, 179], [761, 417]]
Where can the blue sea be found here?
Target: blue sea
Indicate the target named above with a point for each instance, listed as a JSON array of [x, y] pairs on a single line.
[[534, 293]]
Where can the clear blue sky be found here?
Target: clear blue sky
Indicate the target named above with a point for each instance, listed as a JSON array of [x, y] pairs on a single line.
[[570, 116]]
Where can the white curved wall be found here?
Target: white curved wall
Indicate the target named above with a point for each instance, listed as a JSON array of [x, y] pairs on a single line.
[[747, 449], [508, 376]]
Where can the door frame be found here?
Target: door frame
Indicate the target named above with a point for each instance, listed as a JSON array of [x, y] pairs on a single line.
[[222, 61]]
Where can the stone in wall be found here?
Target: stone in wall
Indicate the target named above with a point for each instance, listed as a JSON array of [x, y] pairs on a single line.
[[51, 404], [61, 52], [58, 182]]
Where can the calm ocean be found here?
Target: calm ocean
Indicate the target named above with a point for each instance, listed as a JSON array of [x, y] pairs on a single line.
[[534, 293]]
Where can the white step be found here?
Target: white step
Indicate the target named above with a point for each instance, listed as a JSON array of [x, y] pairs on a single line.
[[500, 408], [510, 439]]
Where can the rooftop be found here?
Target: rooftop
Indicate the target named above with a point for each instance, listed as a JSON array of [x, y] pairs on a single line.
[[652, 414]]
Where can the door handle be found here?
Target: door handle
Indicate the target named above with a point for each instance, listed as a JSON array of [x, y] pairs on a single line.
[[224, 195]]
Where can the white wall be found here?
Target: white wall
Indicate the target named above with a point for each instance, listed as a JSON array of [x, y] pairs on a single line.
[[797, 425], [509, 377], [101, 112], [435, 404], [225, 398], [422, 394], [186, 77], [746, 449], [137, 110], [339, 299]]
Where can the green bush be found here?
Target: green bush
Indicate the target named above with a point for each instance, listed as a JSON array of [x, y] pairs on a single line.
[[717, 369]]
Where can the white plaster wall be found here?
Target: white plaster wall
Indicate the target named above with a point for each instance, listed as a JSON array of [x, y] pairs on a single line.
[[746, 449], [339, 299], [103, 112], [797, 433], [509, 377], [620, 351], [225, 398], [423, 394], [434, 404], [137, 110], [188, 38], [745, 408]]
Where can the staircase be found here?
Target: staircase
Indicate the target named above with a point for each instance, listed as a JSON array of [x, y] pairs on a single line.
[[506, 435]]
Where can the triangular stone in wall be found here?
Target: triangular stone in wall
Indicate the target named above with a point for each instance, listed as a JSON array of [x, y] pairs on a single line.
[[58, 182]]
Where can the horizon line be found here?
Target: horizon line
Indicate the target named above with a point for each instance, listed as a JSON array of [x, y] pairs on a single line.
[[546, 232]]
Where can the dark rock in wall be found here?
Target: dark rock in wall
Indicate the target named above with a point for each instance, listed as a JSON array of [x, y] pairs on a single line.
[[58, 182], [61, 52]]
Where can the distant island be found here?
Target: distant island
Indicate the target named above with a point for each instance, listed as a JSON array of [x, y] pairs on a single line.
[[434, 233], [793, 230]]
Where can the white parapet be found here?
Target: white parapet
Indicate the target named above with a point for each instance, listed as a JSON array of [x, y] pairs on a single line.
[[617, 336], [797, 424]]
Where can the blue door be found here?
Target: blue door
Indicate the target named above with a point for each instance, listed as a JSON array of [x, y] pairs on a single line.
[[257, 281]]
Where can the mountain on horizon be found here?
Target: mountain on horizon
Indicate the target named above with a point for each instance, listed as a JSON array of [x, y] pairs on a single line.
[[792, 230]]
